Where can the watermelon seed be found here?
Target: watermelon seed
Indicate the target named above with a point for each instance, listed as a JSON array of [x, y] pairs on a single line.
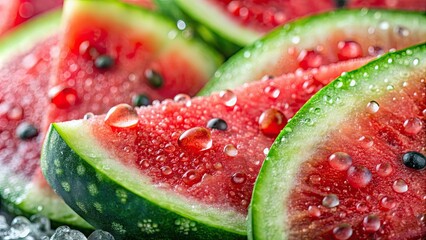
[[388, 203], [340, 161], [63, 97], [154, 78], [373, 107], [330, 201], [348, 50], [217, 123], [104, 62], [310, 59], [342, 231], [271, 122], [140, 100], [230, 150], [366, 141], [267, 78], [195, 139], [359, 176], [400, 186], [88, 115], [314, 211], [413, 125], [238, 178], [26, 131], [229, 98], [371, 223], [384, 169], [414, 160], [121, 116]]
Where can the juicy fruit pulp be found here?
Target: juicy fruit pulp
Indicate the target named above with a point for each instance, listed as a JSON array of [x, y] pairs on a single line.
[[339, 36], [120, 59], [205, 150], [351, 181]]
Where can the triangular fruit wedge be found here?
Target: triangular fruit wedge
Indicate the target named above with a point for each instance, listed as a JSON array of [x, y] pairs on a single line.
[[113, 53], [25, 57], [320, 40], [183, 167], [351, 163], [243, 22]]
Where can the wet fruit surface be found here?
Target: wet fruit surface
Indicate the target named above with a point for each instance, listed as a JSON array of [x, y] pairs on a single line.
[[211, 148]]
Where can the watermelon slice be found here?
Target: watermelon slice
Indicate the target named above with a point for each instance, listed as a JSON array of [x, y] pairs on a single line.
[[25, 57], [339, 36], [106, 59], [180, 168], [351, 163], [243, 22]]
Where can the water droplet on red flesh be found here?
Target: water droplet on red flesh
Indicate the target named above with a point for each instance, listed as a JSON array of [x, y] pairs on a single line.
[[348, 50], [63, 97], [122, 116], [271, 122], [195, 139]]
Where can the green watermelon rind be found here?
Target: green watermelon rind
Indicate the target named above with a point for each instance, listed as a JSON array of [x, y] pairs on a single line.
[[139, 20], [212, 16], [24, 37], [19, 195], [260, 58], [307, 128], [94, 183]]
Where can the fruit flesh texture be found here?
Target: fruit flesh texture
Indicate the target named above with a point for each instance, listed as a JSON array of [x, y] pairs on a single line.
[[416, 5], [375, 141], [132, 54], [219, 167]]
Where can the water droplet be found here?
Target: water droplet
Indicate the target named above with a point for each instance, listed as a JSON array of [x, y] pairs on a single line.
[[271, 122], [400, 186], [414, 160], [154, 78], [26, 131], [375, 51], [402, 31], [366, 141], [330, 201], [361, 207], [88, 115], [310, 59], [217, 123], [166, 170], [169, 147], [342, 232], [191, 177], [20, 227], [196, 139], [413, 125], [238, 178], [272, 91], [122, 116], [371, 223], [359, 176], [348, 50], [15, 112], [230, 150], [228, 97], [182, 98], [373, 107], [340, 161], [144, 164], [384, 169], [140, 100], [387, 203], [314, 211], [104, 62], [315, 179], [63, 97]]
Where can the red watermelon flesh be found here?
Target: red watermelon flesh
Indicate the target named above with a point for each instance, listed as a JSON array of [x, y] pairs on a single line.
[[390, 197], [171, 135], [264, 15], [133, 55], [23, 91]]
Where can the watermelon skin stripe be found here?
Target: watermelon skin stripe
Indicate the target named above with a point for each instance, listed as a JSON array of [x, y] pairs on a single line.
[[92, 193]]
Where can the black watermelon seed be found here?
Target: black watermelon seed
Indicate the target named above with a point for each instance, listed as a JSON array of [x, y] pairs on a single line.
[[26, 131], [340, 3], [217, 123], [414, 160], [104, 62], [140, 100], [154, 78]]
